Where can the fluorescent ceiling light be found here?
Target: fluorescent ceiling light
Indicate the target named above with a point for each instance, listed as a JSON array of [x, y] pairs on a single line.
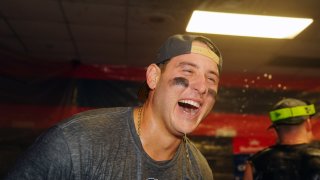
[[246, 25]]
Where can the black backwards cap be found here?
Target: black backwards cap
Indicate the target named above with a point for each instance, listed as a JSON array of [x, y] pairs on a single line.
[[291, 111], [182, 44]]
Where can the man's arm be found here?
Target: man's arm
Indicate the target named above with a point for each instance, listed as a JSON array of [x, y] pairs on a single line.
[[48, 158]]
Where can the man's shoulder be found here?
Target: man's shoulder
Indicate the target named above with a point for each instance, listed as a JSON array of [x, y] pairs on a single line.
[[94, 116], [262, 153], [315, 144], [95, 123], [95, 113], [313, 149]]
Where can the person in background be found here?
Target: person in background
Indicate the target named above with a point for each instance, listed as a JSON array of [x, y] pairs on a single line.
[[146, 142], [295, 156]]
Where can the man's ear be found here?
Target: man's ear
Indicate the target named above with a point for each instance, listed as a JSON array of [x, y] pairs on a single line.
[[152, 75]]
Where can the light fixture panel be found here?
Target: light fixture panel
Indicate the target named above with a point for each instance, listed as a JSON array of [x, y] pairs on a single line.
[[246, 25]]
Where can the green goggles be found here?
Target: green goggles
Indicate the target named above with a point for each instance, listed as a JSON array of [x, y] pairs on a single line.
[[284, 113]]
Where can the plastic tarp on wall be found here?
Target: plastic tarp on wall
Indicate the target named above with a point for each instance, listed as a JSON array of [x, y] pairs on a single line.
[[35, 96], [38, 95]]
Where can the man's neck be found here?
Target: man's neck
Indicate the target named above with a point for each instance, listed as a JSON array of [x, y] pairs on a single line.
[[159, 148], [157, 142], [289, 140]]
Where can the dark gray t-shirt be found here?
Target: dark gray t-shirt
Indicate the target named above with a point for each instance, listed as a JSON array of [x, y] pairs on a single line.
[[103, 144]]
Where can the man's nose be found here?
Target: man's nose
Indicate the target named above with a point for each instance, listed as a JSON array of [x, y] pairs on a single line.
[[199, 84]]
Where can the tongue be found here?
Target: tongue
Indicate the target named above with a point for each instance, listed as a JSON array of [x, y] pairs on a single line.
[[188, 110]]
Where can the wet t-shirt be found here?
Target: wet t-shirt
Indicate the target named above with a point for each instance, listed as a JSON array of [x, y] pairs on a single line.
[[103, 144]]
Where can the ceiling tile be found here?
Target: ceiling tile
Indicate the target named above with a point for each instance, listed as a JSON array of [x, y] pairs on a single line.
[[98, 34], [35, 10], [95, 14], [4, 29], [49, 46], [11, 45], [40, 30]]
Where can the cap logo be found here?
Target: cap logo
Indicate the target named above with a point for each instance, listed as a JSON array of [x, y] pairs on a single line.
[[206, 52], [285, 113]]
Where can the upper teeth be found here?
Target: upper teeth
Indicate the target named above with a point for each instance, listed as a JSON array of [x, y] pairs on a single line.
[[192, 103]]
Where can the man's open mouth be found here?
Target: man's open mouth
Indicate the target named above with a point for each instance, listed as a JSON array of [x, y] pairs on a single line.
[[189, 106]]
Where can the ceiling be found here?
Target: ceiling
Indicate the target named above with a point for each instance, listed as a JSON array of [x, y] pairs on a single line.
[[129, 32]]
